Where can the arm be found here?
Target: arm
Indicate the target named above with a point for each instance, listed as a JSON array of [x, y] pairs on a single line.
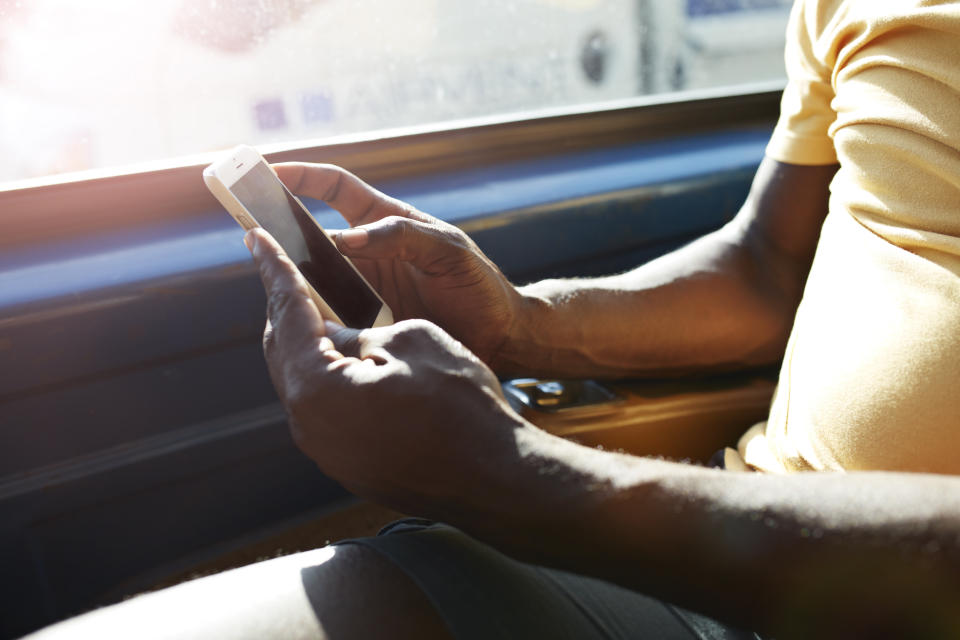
[[860, 555], [723, 302], [408, 417]]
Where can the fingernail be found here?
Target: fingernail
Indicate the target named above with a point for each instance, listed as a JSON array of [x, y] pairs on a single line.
[[354, 238], [250, 239]]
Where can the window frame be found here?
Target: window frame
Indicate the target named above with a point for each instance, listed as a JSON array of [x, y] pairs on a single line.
[[58, 207]]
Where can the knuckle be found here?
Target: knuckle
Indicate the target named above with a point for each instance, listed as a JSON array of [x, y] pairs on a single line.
[[396, 225], [279, 300], [269, 341], [411, 333], [421, 328], [296, 174], [399, 232], [334, 178], [455, 237]]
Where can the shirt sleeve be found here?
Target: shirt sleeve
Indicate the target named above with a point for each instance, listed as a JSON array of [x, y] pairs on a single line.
[[802, 135]]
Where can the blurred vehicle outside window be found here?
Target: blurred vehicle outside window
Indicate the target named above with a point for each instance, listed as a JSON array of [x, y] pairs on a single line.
[[109, 83]]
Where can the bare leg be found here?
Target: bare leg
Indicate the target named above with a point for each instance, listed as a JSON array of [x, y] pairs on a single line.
[[331, 593]]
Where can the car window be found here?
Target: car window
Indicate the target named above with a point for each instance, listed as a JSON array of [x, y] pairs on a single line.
[[107, 83]]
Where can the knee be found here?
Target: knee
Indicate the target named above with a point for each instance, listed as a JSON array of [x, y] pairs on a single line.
[[359, 593], [346, 591]]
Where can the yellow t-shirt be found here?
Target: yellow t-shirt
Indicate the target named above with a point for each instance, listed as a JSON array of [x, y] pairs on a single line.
[[871, 375]]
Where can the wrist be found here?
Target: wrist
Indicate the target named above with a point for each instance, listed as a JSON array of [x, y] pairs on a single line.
[[550, 495], [526, 337], [528, 492]]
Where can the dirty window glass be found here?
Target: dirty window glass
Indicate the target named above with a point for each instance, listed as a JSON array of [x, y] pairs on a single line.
[[104, 83]]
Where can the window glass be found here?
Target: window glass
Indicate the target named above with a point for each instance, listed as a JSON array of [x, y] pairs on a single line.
[[102, 83]]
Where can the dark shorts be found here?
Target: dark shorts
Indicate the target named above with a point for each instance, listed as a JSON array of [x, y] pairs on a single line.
[[481, 593]]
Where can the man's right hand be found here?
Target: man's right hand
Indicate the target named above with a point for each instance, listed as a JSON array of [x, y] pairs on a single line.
[[420, 265]]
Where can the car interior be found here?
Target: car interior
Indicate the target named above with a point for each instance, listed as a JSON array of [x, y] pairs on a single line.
[[143, 442]]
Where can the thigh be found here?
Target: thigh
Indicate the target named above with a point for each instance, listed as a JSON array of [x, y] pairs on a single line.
[[481, 593], [334, 592]]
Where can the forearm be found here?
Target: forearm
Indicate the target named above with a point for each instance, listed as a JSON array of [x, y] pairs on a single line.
[[799, 556], [707, 306], [723, 302]]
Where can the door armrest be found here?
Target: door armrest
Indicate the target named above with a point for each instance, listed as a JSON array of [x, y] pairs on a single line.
[[687, 418]]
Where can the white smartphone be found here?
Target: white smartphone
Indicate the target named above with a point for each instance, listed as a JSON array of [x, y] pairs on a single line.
[[250, 191]]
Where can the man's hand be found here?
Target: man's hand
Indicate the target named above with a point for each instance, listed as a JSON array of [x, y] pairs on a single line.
[[421, 266], [404, 415]]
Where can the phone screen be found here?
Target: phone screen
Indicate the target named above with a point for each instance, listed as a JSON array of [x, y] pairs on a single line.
[[319, 260]]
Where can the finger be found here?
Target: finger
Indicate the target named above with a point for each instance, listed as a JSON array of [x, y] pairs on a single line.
[[328, 351], [357, 201], [294, 325], [342, 339], [363, 345], [424, 245]]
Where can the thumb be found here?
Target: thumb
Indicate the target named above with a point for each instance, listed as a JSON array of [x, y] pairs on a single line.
[[339, 341], [425, 245]]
